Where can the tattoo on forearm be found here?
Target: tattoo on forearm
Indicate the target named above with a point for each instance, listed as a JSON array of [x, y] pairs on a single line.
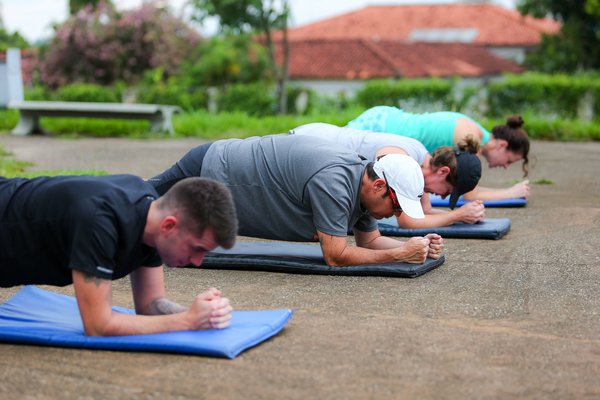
[[93, 279], [164, 306]]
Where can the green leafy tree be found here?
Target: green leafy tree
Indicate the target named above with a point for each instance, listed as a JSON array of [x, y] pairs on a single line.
[[261, 17], [577, 45], [103, 46], [11, 40], [76, 5], [225, 60]]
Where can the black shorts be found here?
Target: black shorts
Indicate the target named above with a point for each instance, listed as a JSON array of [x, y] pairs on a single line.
[[189, 165]]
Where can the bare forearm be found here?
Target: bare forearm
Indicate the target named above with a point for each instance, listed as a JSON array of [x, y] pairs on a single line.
[[434, 219], [94, 301], [380, 243], [163, 306], [486, 194], [354, 255], [371, 248], [123, 324]]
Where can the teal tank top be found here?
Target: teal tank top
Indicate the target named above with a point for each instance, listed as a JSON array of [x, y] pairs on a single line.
[[432, 129]]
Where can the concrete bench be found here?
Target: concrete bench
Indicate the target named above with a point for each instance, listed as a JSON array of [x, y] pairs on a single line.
[[30, 112]]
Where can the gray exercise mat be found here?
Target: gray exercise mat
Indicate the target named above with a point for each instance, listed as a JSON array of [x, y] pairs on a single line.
[[304, 259], [489, 228]]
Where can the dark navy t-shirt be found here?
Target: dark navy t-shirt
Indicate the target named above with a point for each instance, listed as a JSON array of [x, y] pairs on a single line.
[[50, 226]]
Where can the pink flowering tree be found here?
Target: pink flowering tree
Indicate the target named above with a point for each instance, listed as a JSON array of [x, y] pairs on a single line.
[[100, 45]]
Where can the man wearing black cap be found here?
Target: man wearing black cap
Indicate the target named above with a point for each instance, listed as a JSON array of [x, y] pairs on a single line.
[[446, 171]]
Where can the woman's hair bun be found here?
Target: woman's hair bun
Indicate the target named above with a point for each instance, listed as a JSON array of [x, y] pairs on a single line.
[[515, 121]]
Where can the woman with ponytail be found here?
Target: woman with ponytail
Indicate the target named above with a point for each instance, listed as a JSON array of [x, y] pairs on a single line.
[[504, 145], [445, 172]]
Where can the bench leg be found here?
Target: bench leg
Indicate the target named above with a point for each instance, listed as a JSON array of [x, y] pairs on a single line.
[[162, 123], [28, 124]]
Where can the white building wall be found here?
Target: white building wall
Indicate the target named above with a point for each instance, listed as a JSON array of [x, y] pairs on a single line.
[[516, 54]]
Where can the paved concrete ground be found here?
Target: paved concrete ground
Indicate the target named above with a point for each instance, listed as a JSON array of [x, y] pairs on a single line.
[[514, 318]]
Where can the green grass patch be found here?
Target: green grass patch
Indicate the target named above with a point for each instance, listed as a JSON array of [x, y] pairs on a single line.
[[11, 168], [60, 172], [205, 125], [96, 127], [543, 181], [241, 125], [199, 124]]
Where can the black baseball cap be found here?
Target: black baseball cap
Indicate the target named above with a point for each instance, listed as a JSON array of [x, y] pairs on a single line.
[[468, 173]]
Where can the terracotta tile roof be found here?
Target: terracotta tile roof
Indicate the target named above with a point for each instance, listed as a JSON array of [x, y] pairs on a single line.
[[337, 59], [367, 59], [446, 59], [494, 25]]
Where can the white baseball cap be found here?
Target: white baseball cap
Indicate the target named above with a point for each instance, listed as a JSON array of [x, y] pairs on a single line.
[[403, 174]]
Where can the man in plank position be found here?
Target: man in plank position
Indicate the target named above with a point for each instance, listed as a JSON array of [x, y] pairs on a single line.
[[297, 188], [89, 231]]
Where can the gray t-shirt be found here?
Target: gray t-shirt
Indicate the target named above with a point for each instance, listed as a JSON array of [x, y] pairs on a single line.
[[287, 187], [365, 143]]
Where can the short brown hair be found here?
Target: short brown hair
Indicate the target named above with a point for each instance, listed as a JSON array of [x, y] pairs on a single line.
[[204, 203]]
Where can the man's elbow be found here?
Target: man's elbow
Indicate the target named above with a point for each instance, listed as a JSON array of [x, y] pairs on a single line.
[[98, 328], [335, 260], [95, 330], [332, 262]]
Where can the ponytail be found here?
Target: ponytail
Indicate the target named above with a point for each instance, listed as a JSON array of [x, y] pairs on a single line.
[[516, 137]]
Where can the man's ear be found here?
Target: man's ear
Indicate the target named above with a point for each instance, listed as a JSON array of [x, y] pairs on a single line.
[[168, 224], [378, 185], [443, 171]]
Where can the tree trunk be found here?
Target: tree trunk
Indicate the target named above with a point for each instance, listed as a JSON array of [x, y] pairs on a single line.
[[283, 73]]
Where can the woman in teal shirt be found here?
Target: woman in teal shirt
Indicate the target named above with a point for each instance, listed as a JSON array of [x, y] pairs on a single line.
[[504, 145]]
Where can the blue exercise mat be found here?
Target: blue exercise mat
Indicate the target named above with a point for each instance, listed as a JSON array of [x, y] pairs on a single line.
[[491, 228], [37, 316], [303, 259], [437, 201]]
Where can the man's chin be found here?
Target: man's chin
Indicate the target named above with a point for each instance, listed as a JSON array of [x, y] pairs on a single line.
[[171, 265], [378, 216]]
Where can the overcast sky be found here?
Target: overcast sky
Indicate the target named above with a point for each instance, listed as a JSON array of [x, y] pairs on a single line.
[[33, 18]]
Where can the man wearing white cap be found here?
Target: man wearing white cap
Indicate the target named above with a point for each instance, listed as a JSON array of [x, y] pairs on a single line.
[[296, 188]]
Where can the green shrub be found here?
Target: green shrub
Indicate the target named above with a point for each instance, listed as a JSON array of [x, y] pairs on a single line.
[[254, 99], [187, 99], [559, 129], [8, 119], [551, 95], [37, 93], [595, 97], [225, 59], [97, 127], [410, 94], [88, 92], [296, 96]]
